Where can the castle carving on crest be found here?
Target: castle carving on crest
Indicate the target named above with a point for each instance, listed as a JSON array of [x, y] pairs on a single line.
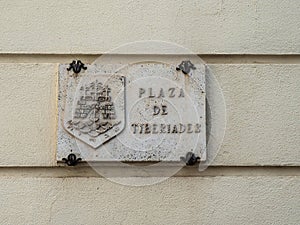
[[95, 112]]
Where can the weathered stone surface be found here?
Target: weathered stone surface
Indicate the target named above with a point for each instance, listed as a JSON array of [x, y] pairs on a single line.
[[141, 112]]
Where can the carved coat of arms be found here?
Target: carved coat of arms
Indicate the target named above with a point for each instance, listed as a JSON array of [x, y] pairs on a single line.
[[95, 108]]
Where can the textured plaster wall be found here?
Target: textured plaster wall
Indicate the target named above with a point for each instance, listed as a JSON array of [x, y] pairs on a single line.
[[253, 49], [213, 200]]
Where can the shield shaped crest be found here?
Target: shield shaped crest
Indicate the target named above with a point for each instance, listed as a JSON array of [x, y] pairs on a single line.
[[95, 108]]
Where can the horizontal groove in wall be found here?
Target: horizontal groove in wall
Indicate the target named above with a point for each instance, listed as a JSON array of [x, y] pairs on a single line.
[[119, 171], [211, 59]]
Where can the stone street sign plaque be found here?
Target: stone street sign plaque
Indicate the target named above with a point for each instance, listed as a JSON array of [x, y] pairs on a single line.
[[146, 111]]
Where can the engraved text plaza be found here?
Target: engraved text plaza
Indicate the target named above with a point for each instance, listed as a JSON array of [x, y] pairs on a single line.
[[161, 110]]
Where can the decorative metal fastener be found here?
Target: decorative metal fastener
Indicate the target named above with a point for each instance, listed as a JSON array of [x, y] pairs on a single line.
[[72, 160], [186, 66], [190, 159], [77, 66]]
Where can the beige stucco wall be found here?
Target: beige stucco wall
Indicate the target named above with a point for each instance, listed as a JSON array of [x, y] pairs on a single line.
[[253, 49]]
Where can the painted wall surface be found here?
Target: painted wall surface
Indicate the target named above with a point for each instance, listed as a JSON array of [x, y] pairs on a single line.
[[253, 49]]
